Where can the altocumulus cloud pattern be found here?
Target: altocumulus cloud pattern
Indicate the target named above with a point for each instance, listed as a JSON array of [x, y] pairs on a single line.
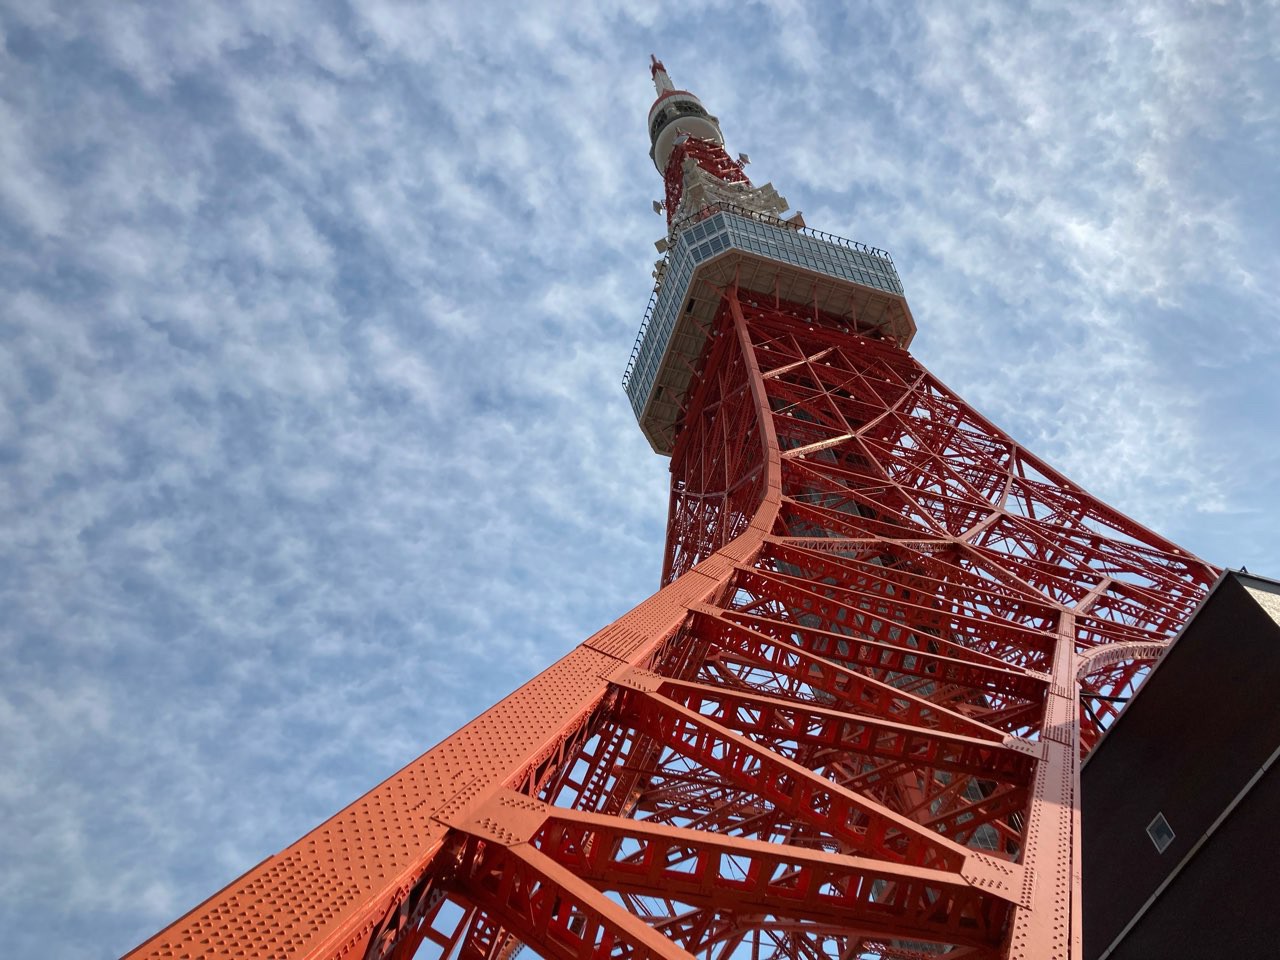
[[313, 317]]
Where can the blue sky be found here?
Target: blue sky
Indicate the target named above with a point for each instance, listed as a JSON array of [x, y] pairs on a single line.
[[313, 318]]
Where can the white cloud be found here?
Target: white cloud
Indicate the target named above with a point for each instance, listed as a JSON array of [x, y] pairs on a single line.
[[311, 442]]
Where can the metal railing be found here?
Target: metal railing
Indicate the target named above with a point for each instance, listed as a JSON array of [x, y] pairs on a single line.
[[713, 208], [679, 232]]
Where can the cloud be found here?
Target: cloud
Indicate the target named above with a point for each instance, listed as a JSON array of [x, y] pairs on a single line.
[[311, 442]]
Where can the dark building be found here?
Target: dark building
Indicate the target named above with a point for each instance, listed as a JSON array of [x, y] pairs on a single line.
[[1180, 837]]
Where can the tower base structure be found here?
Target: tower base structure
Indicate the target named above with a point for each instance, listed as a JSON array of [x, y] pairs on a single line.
[[849, 724]]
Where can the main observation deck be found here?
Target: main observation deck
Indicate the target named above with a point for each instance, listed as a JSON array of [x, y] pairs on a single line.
[[727, 244]]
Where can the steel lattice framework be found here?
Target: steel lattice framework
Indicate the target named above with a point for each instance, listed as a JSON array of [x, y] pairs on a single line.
[[848, 725]]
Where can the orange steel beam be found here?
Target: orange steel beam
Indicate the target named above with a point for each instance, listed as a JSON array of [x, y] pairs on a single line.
[[850, 723]]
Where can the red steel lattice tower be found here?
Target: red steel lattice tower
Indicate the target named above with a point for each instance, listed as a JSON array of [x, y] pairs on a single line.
[[850, 722]]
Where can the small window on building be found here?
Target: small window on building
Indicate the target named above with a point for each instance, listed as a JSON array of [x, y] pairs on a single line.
[[1160, 832]]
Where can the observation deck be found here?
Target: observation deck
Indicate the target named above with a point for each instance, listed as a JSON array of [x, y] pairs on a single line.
[[724, 244]]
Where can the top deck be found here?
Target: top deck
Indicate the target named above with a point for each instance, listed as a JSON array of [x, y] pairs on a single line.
[[837, 276]]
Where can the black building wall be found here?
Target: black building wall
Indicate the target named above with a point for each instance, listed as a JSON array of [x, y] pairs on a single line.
[[1194, 745]]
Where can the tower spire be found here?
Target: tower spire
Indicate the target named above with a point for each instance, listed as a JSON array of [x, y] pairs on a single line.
[[661, 82], [687, 147]]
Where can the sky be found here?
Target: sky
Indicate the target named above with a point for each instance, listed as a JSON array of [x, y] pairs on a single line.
[[313, 318]]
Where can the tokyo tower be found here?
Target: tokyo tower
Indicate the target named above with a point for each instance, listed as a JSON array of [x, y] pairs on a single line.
[[851, 721]]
